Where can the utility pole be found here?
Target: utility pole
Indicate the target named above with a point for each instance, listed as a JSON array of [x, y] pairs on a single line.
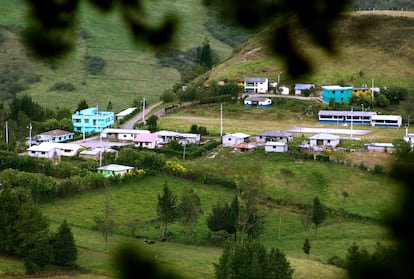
[[221, 122], [30, 135], [143, 111]]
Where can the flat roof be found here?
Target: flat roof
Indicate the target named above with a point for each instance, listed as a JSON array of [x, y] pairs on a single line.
[[126, 111], [115, 167], [346, 113]]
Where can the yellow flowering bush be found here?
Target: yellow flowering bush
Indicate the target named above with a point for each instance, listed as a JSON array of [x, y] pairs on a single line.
[[174, 168]]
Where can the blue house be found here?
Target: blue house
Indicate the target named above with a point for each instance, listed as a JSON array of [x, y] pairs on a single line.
[[336, 93], [91, 120]]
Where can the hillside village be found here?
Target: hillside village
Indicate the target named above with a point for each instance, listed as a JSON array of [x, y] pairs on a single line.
[[257, 93], [227, 173]]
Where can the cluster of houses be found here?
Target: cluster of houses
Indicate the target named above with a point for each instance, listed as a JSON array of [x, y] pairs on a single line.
[[330, 93]]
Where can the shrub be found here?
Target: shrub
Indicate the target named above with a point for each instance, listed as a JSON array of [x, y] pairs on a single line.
[[62, 86], [174, 168], [93, 64], [378, 169]]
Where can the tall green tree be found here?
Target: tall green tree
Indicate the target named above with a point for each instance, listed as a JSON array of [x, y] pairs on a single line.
[[152, 123], [222, 218], [167, 210], [204, 55], [306, 247], [104, 221], [42, 252], [318, 214], [64, 246], [251, 260], [189, 210], [82, 105]]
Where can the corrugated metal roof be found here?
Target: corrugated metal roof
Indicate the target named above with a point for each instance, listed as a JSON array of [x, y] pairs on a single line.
[[255, 79], [346, 113], [325, 137]]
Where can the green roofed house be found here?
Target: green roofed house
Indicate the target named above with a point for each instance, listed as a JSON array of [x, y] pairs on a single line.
[[114, 170]]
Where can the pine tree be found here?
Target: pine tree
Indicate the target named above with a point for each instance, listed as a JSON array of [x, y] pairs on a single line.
[[189, 210], [306, 247], [318, 214], [167, 210], [64, 245]]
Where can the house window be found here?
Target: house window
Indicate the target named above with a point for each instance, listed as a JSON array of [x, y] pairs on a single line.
[[342, 91], [86, 120], [333, 92]]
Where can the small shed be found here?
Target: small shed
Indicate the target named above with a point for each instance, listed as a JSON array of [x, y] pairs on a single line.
[[275, 146], [114, 169], [273, 135], [233, 139], [257, 102], [324, 140], [244, 147], [380, 147]]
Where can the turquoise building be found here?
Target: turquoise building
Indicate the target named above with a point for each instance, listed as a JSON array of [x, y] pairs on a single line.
[[91, 120], [336, 93]]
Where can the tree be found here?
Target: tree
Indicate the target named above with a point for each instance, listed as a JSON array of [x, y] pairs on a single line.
[[104, 221], [251, 260], [306, 247], [166, 210], [402, 147], [318, 214], [189, 210], [204, 55], [82, 105], [306, 216], [64, 245], [286, 175], [152, 123], [42, 252], [223, 218], [109, 106]]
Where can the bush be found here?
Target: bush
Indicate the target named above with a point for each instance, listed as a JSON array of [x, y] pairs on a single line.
[[93, 64], [62, 86], [378, 169], [337, 261]]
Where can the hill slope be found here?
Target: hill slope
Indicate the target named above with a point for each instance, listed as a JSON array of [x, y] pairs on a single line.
[[131, 71], [382, 51]]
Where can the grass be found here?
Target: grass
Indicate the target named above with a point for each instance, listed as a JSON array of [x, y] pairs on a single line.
[[132, 70], [368, 196]]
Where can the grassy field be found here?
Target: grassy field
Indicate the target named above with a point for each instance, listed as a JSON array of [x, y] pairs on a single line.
[[131, 71], [369, 195]]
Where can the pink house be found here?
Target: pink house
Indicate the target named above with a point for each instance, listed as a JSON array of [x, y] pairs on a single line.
[[146, 140]]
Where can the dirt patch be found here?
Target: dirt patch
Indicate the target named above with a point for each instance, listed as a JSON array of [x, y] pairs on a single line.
[[368, 159]]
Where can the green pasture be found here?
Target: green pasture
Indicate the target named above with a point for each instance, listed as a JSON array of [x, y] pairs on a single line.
[[369, 196], [132, 70]]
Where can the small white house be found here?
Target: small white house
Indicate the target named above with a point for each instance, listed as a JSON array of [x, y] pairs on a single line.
[[284, 90], [53, 136], [386, 121], [146, 140], [186, 138], [53, 149], [273, 135], [257, 102], [299, 87], [275, 146], [124, 113], [167, 136], [324, 141], [122, 134], [256, 84], [114, 169], [233, 139]]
